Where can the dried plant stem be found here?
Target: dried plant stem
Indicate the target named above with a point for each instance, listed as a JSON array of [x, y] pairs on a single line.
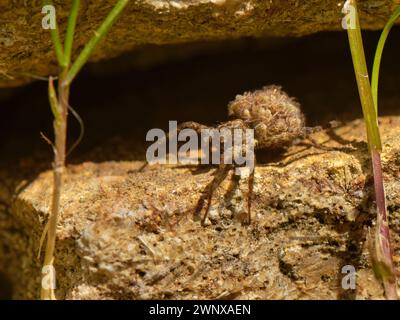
[[60, 129], [382, 255]]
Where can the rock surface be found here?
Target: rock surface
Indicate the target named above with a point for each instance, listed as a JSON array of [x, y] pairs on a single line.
[[26, 48], [134, 235]]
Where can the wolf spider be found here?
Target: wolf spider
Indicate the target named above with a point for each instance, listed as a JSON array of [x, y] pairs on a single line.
[[277, 122]]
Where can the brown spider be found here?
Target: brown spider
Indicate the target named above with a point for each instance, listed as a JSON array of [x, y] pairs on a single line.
[[276, 121]]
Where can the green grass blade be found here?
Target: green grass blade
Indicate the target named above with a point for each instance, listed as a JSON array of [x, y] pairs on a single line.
[[94, 41], [55, 38], [364, 87], [383, 264], [53, 101], [378, 56], [69, 37]]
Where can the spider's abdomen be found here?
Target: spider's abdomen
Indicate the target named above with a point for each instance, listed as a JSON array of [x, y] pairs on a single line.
[[275, 117]]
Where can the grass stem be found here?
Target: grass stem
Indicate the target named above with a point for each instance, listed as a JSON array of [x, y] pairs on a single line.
[[383, 258]]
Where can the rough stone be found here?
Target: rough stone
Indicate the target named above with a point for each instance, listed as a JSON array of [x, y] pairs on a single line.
[[26, 49], [135, 235]]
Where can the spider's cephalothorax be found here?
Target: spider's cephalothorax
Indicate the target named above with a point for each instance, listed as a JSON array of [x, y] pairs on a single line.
[[275, 117], [277, 122]]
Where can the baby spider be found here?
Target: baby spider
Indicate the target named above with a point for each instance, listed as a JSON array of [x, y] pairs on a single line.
[[275, 120]]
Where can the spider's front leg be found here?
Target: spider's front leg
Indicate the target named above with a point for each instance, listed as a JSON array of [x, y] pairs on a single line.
[[250, 187], [197, 127], [220, 175], [192, 125], [250, 193]]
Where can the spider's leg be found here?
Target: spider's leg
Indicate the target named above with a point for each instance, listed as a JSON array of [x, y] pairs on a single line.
[[319, 145], [311, 130], [220, 176], [185, 125], [250, 194], [143, 166], [192, 125]]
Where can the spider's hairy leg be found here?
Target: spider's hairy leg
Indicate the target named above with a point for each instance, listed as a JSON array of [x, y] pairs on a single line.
[[192, 125], [308, 131], [143, 167], [197, 127], [250, 194], [185, 125], [320, 145], [220, 175]]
